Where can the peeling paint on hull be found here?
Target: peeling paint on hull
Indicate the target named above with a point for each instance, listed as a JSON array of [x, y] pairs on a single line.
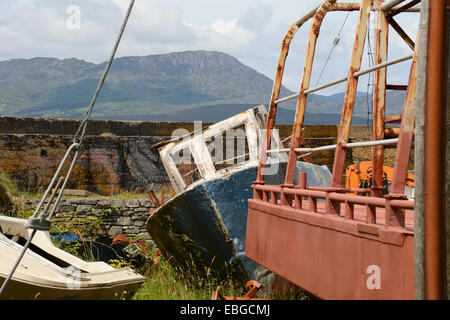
[[204, 227]]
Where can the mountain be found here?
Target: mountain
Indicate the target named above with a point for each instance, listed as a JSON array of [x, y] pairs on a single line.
[[173, 86], [216, 113]]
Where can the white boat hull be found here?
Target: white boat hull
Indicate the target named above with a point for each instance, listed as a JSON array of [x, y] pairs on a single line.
[[47, 272]]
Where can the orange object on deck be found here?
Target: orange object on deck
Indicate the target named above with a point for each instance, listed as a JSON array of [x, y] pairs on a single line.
[[360, 175]]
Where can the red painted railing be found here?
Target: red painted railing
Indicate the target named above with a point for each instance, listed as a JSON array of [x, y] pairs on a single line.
[[306, 198]]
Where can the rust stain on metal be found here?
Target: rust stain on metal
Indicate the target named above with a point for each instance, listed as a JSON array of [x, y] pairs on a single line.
[[391, 119], [344, 6], [350, 93], [402, 33], [405, 134], [379, 102], [434, 143], [154, 199], [252, 286], [302, 97]]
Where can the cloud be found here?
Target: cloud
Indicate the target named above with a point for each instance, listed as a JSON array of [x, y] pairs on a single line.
[[257, 17], [156, 21], [249, 30], [39, 28], [232, 30]]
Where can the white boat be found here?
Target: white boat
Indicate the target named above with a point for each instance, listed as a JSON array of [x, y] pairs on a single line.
[[47, 272]]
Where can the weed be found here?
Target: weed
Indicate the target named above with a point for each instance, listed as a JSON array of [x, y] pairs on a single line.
[[81, 226], [164, 282]]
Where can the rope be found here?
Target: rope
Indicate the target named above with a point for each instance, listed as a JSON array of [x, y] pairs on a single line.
[[83, 124], [79, 135], [369, 84], [335, 44]]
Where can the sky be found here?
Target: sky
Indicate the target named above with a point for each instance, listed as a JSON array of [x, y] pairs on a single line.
[[249, 30]]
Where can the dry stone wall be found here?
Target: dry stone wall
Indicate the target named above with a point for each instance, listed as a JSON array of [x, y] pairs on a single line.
[[106, 165], [123, 216], [116, 156]]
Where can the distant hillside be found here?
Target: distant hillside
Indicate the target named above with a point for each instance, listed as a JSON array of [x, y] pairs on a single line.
[[176, 86], [221, 112]]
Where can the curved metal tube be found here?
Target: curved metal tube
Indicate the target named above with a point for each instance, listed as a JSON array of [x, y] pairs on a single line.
[[318, 13], [284, 51], [306, 77]]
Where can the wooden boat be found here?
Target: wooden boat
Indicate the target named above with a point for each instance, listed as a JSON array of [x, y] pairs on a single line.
[[202, 229], [47, 272]]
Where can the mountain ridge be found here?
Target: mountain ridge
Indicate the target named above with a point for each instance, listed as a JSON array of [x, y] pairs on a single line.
[[155, 85]]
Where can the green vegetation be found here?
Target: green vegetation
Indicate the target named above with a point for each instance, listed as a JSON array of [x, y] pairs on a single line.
[[81, 226], [7, 191], [165, 283], [121, 195], [11, 199]]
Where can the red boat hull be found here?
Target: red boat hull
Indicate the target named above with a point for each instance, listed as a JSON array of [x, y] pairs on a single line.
[[330, 256]]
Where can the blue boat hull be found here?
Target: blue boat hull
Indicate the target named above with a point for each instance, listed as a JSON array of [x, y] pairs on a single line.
[[202, 230]]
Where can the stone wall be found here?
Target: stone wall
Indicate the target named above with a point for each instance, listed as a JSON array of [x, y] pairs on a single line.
[[106, 165], [121, 159], [120, 216], [47, 126]]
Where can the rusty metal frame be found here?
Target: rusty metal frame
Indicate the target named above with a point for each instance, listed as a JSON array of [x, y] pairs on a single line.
[[302, 97], [384, 9], [396, 202], [350, 93], [334, 200], [284, 51], [405, 135], [356, 74], [402, 33], [395, 215], [379, 102]]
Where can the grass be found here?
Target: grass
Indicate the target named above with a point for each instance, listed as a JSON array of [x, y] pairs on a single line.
[[164, 283], [7, 185], [12, 201]]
